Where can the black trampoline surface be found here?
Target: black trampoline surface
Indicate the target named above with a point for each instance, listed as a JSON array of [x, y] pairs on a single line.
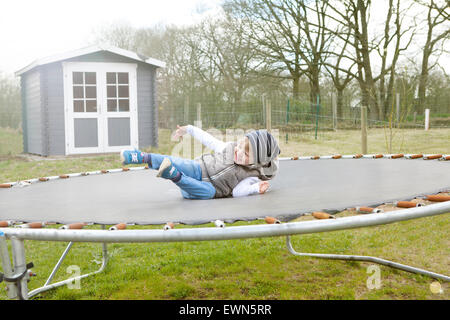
[[300, 187]]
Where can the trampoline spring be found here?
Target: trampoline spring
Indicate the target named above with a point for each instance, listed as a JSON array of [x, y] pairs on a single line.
[[397, 156], [337, 156], [22, 184], [368, 210], [438, 197], [169, 225], [5, 224], [407, 204], [433, 156], [64, 176], [5, 185], [104, 171], [445, 158], [272, 220], [322, 215], [415, 156], [119, 226], [219, 224], [377, 156], [357, 156], [32, 225], [73, 226]]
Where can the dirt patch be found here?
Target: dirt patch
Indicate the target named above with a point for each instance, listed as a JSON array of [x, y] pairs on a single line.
[[4, 157]]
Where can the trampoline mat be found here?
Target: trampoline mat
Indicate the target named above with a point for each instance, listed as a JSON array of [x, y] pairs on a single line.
[[300, 187]]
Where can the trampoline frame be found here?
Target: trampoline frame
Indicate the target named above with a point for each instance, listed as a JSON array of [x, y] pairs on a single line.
[[19, 289], [17, 276]]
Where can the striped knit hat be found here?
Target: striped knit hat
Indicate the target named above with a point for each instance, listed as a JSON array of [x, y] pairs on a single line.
[[265, 151]]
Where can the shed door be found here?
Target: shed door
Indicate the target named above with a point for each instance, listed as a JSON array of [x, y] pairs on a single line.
[[101, 107]]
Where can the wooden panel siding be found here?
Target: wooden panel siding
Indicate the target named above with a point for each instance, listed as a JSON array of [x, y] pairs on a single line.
[[24, 114], [146, 106], [53, 78], [154, 110], [32, 96]]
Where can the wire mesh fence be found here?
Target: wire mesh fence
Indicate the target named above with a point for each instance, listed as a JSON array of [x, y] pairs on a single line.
[[285, 114], [295, 121], [304, 127]]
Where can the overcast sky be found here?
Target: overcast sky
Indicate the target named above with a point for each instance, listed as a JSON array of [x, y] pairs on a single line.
[[32, 29]]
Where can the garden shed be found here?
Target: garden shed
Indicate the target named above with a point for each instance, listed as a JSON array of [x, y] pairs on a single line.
[[97, 99]]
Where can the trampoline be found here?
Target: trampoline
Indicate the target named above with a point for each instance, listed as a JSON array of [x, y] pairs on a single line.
[[134, 195]]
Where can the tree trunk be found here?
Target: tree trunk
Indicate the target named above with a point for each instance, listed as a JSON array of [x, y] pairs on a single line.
[[313, 93], [340, 103], [423, 79], [295, 87]]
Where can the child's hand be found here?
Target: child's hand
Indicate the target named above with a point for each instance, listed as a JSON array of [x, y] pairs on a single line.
[[179, 133], [263, 186]]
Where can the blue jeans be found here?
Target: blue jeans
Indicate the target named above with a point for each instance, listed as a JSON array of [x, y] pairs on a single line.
[[191, 184]]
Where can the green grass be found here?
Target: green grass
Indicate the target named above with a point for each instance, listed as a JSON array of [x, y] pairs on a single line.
[[253, 268], [10, 142]]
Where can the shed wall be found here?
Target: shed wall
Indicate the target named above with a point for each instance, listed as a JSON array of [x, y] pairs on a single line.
[[147, 112], [51, 120], [53, 104], [32, 117]]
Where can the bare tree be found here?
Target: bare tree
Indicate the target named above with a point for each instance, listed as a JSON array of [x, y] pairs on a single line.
[[389, 49], [364, 40], [339, 66], [121, 35], [288, 35], [437, 32], [231, 53], [354, 15]]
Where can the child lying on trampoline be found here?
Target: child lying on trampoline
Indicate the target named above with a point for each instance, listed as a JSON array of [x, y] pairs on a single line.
[[235, 169]]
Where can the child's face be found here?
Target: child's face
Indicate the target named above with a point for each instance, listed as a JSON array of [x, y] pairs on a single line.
[[242, 154]]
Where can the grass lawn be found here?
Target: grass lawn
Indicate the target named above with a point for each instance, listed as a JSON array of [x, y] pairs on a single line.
[[253, 268]]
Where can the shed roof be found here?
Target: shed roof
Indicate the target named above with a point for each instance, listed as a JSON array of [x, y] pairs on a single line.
[[89, 50]]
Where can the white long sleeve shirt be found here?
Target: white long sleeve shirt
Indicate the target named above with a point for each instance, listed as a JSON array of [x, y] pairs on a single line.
[[246, 187]]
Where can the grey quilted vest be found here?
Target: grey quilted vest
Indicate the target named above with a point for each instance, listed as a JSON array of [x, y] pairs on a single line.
[[222, 172]]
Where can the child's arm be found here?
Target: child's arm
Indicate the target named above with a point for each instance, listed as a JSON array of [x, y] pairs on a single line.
[[204, 137], [249, 186]]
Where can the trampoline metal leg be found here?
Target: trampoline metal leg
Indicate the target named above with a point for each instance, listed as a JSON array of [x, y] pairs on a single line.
[[7, 268], [55, 269], [366, 259], [20, 266], [47, 286]]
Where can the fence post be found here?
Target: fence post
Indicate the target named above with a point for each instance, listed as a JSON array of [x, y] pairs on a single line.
[[172, 123], [334, 107], [268, 115], [263, 113], [427, 119], [364, 129], [186, 110], [287, 120], [317, 115], [199, 112]]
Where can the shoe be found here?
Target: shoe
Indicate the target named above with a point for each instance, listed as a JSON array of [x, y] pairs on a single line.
[[167, 170], [131, 156]]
